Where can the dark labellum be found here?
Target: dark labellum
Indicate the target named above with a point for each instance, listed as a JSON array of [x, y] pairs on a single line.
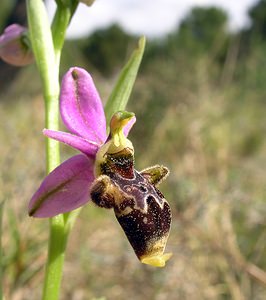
[[139, 206]]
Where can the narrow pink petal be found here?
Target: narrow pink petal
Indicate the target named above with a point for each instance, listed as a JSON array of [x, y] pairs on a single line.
[[87, 147], [64, 189], [128, 126], [81, 107]]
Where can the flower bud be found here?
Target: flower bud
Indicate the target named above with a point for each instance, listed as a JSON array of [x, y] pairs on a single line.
[[14, 46]]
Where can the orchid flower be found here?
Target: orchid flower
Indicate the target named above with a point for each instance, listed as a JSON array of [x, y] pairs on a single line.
[[104, 172], [67, 187]]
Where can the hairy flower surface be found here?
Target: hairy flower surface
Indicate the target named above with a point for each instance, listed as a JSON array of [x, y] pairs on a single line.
[[14, 48], [140, 208]]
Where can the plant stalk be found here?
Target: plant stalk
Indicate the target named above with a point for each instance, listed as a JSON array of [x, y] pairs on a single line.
[[47, 46]]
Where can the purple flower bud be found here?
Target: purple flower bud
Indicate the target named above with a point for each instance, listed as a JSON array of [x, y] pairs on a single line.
[[14, 48]]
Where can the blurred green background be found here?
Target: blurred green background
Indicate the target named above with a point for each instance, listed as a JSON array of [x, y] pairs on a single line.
[[200, 102]]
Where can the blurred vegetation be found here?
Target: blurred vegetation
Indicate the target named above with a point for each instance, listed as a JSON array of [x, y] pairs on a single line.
[[200, 101]]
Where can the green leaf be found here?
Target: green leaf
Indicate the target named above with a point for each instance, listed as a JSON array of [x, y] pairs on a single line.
[[122, 90]]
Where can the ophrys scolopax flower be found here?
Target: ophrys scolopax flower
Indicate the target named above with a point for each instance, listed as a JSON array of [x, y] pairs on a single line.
[[105, 172]]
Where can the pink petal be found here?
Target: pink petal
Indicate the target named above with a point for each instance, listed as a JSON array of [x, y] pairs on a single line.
[[128, 126], [87, 147], [64, 189], [81, 107]]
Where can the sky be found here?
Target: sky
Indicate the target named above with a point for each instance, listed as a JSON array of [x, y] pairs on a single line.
[[152, 18]]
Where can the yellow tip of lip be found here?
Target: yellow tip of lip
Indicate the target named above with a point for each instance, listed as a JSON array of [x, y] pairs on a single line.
[[158, 260]]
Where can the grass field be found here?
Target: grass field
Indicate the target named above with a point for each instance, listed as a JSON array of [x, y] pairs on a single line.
[[210, 136]]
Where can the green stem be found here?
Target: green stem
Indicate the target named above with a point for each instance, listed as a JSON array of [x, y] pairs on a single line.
[[61, 20], [58, 235], [47, 48], [55, 260], [58, 230]]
